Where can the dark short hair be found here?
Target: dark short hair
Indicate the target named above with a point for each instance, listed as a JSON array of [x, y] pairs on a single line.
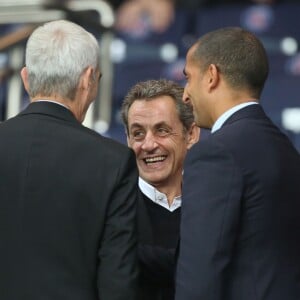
[[151, 89], [239, 56]]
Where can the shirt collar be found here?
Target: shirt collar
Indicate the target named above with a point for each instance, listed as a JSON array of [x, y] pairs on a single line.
[[157, 197], [225, 116]]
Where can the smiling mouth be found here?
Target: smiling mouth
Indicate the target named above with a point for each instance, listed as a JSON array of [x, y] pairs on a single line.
[[151, 160]]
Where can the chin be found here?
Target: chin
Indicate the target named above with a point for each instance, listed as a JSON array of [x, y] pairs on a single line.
[[155, 180]]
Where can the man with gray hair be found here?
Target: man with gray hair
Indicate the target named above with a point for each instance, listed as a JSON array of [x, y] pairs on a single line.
[[68, 195]]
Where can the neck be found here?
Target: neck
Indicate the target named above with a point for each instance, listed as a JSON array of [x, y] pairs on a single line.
[[171, 190]]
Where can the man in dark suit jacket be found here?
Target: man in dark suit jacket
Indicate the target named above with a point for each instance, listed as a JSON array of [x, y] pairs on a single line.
[[67, 195], [240, 223], [160, 129]]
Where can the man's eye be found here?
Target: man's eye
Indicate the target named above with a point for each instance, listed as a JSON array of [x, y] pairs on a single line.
[[138, 135], [163, 131]]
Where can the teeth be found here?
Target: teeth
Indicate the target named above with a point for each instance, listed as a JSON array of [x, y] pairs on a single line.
[[155, 159]]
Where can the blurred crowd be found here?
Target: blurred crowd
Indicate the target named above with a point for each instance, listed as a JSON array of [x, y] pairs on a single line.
[[161, 12]]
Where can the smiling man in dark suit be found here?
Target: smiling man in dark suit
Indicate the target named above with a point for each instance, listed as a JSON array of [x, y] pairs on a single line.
[[240, 222], [67, 194], [160, 129]]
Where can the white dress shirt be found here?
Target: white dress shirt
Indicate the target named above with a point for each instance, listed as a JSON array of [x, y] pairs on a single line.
[[157, 197]]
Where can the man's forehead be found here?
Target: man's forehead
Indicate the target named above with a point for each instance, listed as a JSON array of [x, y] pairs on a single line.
[[163, 103], [150, 124]]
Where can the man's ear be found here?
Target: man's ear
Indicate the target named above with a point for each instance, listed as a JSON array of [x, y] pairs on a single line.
[[86, 78], [24, 76], [193, 135], [213, 76]]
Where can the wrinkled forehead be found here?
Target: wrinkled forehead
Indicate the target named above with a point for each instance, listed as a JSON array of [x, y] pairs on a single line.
[[151, 113]]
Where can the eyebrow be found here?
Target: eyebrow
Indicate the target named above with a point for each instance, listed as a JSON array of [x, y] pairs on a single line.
[[137, 125], [163, 123], [133, 125]]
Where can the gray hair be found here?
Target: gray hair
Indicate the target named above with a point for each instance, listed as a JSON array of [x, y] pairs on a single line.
[[56, 55], [151, 89]]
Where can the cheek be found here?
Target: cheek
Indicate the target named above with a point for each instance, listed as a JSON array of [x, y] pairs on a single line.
[[136, 147], [181, 153], [179, 149]]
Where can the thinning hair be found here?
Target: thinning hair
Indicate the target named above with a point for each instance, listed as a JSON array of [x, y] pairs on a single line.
[[152, 89], [239, 56], [57, 53]]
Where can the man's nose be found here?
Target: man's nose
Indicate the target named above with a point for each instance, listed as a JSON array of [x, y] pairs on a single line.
[[185, 97], [149, 142]]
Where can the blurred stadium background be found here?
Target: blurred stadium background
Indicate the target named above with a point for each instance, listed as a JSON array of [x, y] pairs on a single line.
[[141, 53]]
